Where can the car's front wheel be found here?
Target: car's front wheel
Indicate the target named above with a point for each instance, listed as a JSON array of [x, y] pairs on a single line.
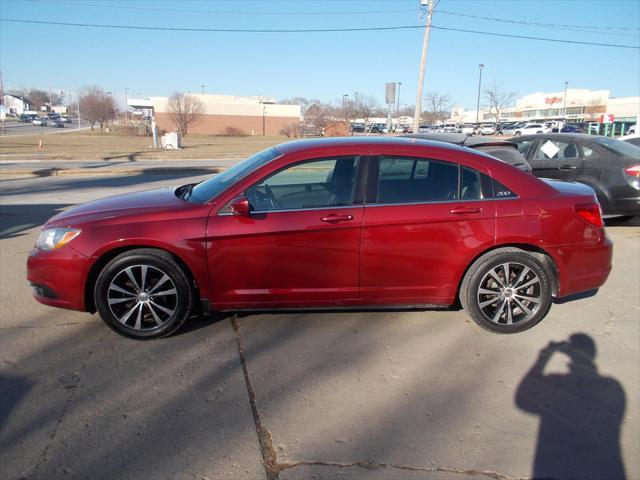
[[507, 290], [143, 294]]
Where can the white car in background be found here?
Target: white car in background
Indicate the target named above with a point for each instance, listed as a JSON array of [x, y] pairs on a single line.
[[467, 129], [487, 129], [532, 128]]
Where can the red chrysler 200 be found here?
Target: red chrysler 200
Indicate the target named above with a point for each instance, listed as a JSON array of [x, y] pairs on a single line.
[[329, 223]]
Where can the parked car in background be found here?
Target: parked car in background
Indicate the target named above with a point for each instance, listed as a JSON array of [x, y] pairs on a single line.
[[56, 123], [609, 166], [487, 129], [468, 129], [27, 117], [633, 139], [530, 128], [568, 128], [357, 127], [424, 129], [39, 121], [510, 130], [342, 222], [502, 150]]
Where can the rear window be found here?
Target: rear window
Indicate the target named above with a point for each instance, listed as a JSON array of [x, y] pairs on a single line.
[[421, 180], [619, 147]]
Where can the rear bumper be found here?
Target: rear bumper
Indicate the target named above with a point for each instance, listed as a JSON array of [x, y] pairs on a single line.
[[582, 267], [58, 277]]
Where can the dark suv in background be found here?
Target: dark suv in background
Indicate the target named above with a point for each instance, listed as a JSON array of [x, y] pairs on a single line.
[[609, 166]]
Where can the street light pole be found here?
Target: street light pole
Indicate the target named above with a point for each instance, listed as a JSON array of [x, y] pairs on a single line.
[[126, 106], [481, 66], [564, 102], [202, 89], [264, 112], [398, 106], [423, 63], [344, 105]]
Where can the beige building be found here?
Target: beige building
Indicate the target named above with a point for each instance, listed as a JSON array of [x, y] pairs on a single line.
[[580, 105], [227, 113]]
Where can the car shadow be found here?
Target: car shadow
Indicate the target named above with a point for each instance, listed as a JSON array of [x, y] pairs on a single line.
[[580, 414], [626, 221], [16, 220]]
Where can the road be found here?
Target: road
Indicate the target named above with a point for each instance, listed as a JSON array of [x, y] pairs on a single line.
[[364, 395], [14, 128]]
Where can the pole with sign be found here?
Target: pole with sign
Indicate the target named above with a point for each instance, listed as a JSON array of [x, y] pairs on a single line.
[[390, 98]]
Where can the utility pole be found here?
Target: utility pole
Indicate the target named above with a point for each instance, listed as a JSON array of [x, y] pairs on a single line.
[[50, 102], [398, 107], [78, 107], [264, 112], [202, 89], [423, 63]]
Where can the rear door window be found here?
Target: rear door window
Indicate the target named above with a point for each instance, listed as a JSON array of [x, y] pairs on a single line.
[[560, 151], [416, 180]]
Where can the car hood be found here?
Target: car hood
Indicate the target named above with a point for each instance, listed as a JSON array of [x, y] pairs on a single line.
[[119, 205]]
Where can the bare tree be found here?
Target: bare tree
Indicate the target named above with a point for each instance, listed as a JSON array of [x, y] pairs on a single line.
[[437, 107], [97, 106], [368, 106], [184, 111], [498, 99]]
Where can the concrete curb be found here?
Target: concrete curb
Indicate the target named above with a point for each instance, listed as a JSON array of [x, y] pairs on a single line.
[[91, 172]]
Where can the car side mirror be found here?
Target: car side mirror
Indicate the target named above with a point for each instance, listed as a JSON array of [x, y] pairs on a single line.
[[240, 206]]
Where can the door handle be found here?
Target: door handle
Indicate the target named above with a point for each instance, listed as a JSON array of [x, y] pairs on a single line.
[[462, 210], [567, 167], [334, 217]]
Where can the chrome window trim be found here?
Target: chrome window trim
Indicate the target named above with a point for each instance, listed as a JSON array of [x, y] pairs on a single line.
[[295, 210], [438, 202]]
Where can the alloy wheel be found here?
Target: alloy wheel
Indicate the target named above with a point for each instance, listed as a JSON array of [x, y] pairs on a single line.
[[509, 293], [142, 297]]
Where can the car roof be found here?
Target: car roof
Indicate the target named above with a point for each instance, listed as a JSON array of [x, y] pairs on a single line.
[[315, 143], [576, 137]]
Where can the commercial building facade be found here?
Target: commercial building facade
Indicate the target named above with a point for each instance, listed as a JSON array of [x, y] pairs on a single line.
[[579, 105], [225, 114]]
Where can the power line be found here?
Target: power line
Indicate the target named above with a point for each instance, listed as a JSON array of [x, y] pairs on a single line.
[[223, 12], [537, 24], [309, 30]]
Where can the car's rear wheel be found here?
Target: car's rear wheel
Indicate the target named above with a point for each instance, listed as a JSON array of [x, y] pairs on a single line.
[[517, 134], [143, 294], [507, 290]]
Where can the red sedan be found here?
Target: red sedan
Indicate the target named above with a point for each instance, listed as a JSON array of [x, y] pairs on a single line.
[[341, 223]]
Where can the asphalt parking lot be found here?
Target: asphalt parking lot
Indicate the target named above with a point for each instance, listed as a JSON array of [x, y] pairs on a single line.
[[364, 395]]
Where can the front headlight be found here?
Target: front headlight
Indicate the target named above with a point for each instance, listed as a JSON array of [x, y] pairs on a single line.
[[53, 238]]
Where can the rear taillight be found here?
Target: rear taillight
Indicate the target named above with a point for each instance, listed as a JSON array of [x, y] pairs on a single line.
[[633, 171], [591, 213]]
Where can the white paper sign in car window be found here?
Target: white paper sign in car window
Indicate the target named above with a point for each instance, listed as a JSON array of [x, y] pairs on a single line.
[[550, 149]]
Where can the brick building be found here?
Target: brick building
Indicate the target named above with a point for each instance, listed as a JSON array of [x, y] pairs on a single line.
[[249, 115]]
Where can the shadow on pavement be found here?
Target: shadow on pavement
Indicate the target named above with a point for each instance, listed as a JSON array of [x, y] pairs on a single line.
[[16, 220], [623, 221], [62, 183], [580, 415]]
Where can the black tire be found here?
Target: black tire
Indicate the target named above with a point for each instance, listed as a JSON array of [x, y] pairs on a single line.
[[524, 313], [125, 299], [517, 134]]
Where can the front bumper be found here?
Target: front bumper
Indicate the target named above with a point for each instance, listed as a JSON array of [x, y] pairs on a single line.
[[58, 277]]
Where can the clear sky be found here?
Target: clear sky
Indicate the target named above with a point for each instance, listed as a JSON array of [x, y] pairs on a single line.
[[319, 65]]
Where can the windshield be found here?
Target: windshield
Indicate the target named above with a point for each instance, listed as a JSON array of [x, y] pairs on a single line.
[[617, 146], [211, 188]]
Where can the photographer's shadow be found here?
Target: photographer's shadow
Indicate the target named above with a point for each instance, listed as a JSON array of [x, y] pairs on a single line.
[[580, 415]]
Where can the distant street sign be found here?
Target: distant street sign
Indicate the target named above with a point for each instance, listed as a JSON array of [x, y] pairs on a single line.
[[390, 93]]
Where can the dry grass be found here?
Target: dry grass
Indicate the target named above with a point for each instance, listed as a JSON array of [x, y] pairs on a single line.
[[87, 145]]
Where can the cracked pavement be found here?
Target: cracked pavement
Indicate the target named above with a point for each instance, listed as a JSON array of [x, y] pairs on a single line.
[[357, 395]]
